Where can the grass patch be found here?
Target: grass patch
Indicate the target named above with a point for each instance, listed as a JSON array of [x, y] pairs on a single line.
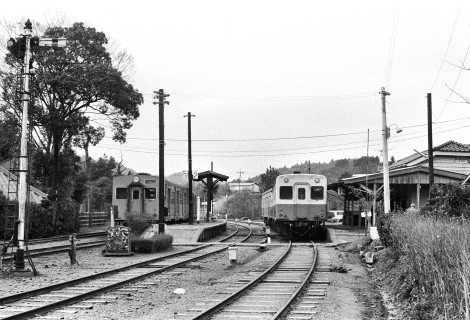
[[433, 258]]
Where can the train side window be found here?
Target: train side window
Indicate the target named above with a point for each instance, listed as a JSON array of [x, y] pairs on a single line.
[[316, 193], [135, 194], [121, 193], [301, 193], [150, 193], [285, 192]]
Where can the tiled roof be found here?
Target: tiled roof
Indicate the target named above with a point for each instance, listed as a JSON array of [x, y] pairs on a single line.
[[453, 147], [449, 146]]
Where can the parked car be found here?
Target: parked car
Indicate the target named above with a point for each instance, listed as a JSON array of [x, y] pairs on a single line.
[[335, 216]]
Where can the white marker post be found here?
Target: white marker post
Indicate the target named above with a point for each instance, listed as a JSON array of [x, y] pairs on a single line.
[[198, 209]]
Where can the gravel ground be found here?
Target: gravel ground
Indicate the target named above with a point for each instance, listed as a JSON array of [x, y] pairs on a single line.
[[350, 296]]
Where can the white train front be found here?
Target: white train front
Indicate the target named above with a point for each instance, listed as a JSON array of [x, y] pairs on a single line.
[[297, 205]]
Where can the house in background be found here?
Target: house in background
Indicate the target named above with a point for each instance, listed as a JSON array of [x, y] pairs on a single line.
[[8, 183], [244, 186], [409, 179]]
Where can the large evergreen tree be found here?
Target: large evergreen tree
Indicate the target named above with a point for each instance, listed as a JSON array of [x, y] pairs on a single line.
[[73, 87]]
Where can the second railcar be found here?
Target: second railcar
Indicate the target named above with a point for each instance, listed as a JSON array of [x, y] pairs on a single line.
[[138, 194], [297, 205]]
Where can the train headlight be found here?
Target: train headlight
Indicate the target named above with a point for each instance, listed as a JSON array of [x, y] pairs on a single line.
[[281, 214], [317, 180], [286, 180]]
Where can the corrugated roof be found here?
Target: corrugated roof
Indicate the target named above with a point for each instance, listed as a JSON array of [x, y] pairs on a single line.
[[35, 194]]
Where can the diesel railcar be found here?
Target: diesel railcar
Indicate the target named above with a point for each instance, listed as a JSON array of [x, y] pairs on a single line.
[[297, 205], [138, 194]]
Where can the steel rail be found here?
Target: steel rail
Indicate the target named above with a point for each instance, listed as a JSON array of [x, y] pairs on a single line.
[[66, 284], [232, 297], [66, 237], [80, 297], [287, 305], [233, 234], [56, 249]]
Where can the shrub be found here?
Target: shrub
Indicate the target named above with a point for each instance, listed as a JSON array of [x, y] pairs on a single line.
[[158, 242], [384, 228], [40, 218], [138, 222]]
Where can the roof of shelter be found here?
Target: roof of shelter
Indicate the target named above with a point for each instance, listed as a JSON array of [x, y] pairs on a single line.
[[207, 174]]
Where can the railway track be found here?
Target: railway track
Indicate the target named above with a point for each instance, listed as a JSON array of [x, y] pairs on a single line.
[[270, 294], [79, 291]]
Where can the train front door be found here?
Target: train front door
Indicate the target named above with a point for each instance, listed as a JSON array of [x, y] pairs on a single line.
[[135, 203], [301, 207]]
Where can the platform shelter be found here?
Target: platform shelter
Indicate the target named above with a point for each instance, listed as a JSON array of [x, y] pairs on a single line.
[[210, 179]]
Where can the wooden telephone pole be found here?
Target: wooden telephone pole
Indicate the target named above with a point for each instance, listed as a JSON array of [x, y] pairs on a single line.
[[161, 96], [190, 170]]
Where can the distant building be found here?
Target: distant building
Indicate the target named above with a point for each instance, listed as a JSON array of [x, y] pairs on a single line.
[[244, 186], [7, 178]]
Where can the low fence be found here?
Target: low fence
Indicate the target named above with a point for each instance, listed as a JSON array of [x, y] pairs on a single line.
[[93, 219]]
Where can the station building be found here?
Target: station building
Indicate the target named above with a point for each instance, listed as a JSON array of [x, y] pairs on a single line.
[[409, 179]]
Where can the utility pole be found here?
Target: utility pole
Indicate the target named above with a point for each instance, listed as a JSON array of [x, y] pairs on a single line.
[[430, 151], [23, 188], [190, 170], [385, 153], [240, 180], [161, 170]]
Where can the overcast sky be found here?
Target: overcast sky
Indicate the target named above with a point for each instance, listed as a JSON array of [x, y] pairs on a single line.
[[276, 83]]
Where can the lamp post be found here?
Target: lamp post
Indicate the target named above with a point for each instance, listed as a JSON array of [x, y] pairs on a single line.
[[385, 136], [385, 153]]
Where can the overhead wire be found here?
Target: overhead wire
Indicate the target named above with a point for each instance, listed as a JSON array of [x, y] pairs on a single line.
[[455, 83], [285, 138], [139, 150], [448, 45], [392, 42]]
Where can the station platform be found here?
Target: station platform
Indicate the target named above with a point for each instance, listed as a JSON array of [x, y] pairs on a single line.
[[186, 233]]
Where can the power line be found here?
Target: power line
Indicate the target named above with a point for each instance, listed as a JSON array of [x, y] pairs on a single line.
[[284, 138], [455, 83], [392, 42], [448, 45], [280, 154]]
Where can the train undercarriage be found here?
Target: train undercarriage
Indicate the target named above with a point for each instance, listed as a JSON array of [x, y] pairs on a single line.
[[313, 230]]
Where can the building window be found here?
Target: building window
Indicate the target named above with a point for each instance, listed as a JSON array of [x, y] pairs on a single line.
[[301, 194], [121, 193], [316, 193], [150, 181], [285, 192], [135, 194], [150, 193]]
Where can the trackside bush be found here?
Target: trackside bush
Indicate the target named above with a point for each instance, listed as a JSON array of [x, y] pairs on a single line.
[[138, 222], [384, 228], [40, 218], [158, 242]]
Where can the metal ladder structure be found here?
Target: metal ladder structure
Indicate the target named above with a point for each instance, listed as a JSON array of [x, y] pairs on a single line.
[[10, 240]]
